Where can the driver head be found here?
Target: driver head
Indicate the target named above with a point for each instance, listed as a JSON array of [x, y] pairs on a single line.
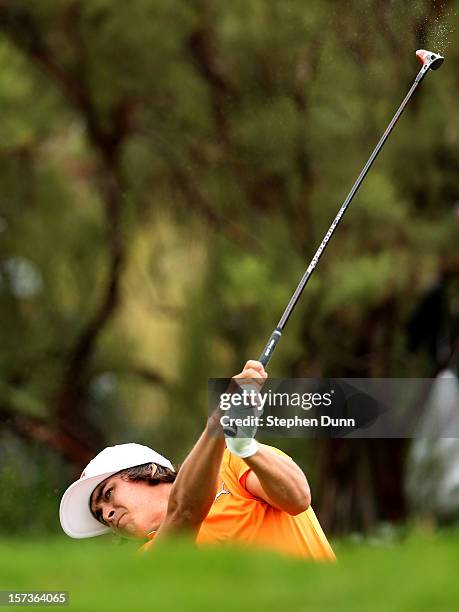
[[429, 59]]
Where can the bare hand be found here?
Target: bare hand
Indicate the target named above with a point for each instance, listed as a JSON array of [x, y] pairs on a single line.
[[254, 371]]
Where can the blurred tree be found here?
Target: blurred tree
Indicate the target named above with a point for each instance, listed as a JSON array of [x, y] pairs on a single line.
[[169, 169]]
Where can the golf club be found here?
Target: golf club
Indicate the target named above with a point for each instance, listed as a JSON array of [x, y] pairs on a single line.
[[429, 61]]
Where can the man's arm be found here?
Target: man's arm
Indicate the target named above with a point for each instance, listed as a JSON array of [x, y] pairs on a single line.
[[274, 478], [277, 480], [193, 491]]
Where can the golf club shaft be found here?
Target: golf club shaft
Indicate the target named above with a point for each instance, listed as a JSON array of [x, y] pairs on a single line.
[[277, 333]]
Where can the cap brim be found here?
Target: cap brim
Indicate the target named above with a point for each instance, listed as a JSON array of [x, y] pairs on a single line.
[[74, 513]]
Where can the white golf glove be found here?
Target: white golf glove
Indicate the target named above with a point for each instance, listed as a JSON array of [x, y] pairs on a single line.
[[244, 446]]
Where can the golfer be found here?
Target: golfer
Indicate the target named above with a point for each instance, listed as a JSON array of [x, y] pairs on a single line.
[[226, 490]]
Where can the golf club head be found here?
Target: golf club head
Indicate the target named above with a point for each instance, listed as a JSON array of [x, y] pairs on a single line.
[[430, 60]]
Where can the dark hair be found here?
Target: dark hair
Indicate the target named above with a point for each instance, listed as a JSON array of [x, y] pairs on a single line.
[[145, 473]]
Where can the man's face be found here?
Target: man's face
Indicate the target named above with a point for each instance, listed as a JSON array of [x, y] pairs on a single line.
[[129, 508]]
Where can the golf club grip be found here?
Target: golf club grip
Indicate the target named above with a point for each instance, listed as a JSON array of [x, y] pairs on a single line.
[[271, 345]]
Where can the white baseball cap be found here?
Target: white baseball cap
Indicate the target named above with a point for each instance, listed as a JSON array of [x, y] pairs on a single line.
[[74, 512]]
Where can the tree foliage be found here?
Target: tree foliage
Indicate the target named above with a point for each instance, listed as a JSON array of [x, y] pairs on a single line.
[[168, 170]]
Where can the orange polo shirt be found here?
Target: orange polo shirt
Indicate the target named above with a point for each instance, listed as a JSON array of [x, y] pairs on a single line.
[[237, 516]]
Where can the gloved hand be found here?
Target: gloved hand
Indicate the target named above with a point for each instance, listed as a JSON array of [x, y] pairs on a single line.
[[250, 379], [242, 447]]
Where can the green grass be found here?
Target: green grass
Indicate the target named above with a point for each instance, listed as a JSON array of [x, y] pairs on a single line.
[[420, 573]]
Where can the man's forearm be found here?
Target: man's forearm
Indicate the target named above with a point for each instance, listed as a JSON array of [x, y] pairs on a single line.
[[281, 479], [194, 490]]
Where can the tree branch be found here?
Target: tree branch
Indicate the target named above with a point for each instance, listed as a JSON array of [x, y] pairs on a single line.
[[18, 23], [39, 430]]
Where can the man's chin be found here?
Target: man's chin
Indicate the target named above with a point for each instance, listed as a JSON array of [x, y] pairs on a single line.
[[131, 531]]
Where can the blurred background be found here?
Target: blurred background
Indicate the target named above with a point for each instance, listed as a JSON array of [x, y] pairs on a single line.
[[168, 168]]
